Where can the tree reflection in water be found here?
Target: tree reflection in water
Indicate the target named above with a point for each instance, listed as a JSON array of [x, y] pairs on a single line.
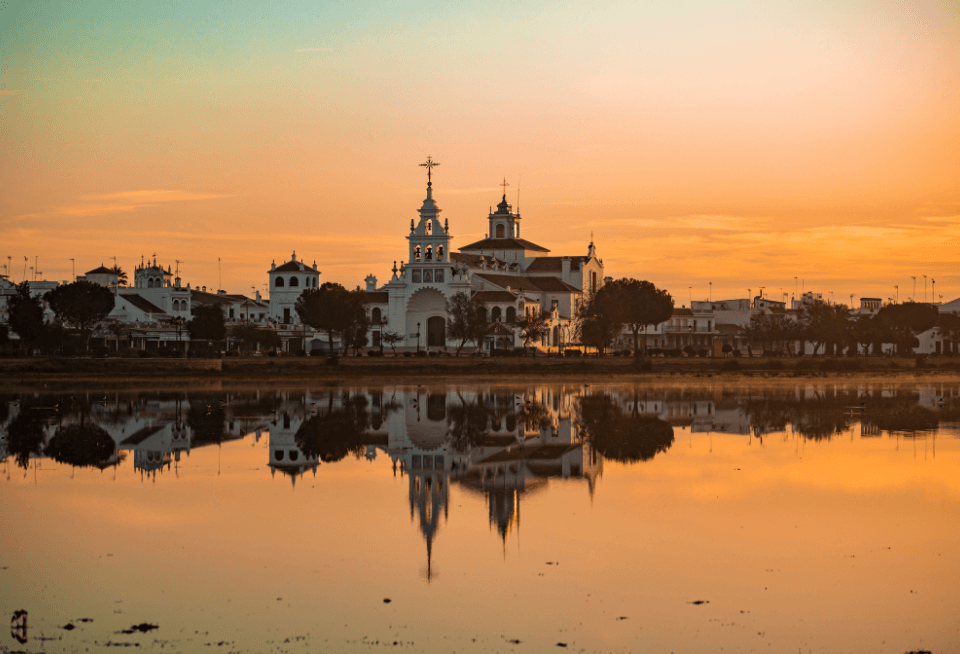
[[81, 445], [625, 436], [337, 428], [25, 436]]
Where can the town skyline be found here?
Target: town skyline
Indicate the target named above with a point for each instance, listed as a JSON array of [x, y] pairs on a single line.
[[707, 142]]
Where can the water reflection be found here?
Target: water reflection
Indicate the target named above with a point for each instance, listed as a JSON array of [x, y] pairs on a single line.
[[498, 443]]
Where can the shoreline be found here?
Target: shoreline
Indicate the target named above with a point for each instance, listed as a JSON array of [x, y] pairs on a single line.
[[22, 374]]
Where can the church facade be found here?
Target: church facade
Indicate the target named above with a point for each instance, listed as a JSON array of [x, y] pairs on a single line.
[[510, 276]]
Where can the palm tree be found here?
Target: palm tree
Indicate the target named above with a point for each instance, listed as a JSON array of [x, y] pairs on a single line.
[[121, 275]]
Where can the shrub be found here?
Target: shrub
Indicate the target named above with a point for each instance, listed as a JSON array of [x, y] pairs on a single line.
[[730, 365], [737, 353], [143, 354], [674, 352], [572, 352], [643, 364], [317, 352], [374, 353], [408, 354], [519, 351], [727, 348], [99, 351], [805, 365], [702, 353], [300, 353], [232, 353], [420, 353], [333, 360], [772, 365], [271, 353], [689, 350]]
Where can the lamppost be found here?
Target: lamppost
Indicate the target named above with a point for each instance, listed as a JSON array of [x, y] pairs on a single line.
[[418, 338]]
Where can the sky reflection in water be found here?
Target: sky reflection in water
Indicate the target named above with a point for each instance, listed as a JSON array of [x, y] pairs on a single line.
[[821, 517]]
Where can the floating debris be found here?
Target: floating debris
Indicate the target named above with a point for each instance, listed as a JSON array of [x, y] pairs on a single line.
[[387, 600], [699, 602]]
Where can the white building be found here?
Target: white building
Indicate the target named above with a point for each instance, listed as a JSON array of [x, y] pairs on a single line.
[[510, 276]]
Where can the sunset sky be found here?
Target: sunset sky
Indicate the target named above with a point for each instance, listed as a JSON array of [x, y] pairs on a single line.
[[739, 143]]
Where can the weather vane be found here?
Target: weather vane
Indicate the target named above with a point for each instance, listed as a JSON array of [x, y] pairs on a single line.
[[504, 185], [429, 164]]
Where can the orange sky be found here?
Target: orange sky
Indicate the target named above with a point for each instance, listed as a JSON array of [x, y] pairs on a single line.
[[743, 144]]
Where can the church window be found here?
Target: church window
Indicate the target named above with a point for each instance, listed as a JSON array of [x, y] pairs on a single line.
[[278, 455], [294, 281], [416, 253], [439, 253], [427, 276], [415, 461], [416, 277], [278, 282], [511, 314], [593, 282], [429, 253], [375, 316], [286, 421], [231, 312], [438, 461], [495, 314], [294, 455], [438, 275], [429, 227], [286, 315], [500, 231]]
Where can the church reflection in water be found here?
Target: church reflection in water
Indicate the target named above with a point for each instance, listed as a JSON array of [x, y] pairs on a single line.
[[498, 443]]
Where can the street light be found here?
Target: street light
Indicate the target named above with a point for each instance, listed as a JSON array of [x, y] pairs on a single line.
[[418, 338]]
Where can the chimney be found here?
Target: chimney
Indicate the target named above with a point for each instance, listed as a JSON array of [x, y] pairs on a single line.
[[221, 292], [565, 269], [258, 296], [204, 289]]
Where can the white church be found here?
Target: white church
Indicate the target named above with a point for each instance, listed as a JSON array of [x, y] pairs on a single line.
[[509, 275]]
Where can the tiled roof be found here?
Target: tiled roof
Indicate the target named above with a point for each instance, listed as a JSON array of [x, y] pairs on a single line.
[[102, 270], [553, 264], [291, 266], [504, 244], [494, 296], [141, 303], [681, 312], [375, 297], [535, 284], [471, 260], [727, 329]]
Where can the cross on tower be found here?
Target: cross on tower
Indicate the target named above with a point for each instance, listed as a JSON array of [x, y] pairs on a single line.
[[504, 185], [429, 164]]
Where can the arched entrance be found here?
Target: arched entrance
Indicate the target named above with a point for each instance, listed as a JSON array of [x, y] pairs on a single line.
[[436, 332]]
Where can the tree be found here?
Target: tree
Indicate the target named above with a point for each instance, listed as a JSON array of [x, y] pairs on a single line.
[[81, 304], [391, 338], [207, 324], [250, 334], [25, 315], [355, 336], [597, 321], [331, 308], [638, 304], [826, 324], [905, 321], [467, 320], [534, 327], [867, 331], [121, 275]]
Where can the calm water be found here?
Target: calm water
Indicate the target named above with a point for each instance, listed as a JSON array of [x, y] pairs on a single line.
[[779, 518]]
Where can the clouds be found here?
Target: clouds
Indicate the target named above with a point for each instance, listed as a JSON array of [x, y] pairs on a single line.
[[11, 92], [121, 202], [313, 50]]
